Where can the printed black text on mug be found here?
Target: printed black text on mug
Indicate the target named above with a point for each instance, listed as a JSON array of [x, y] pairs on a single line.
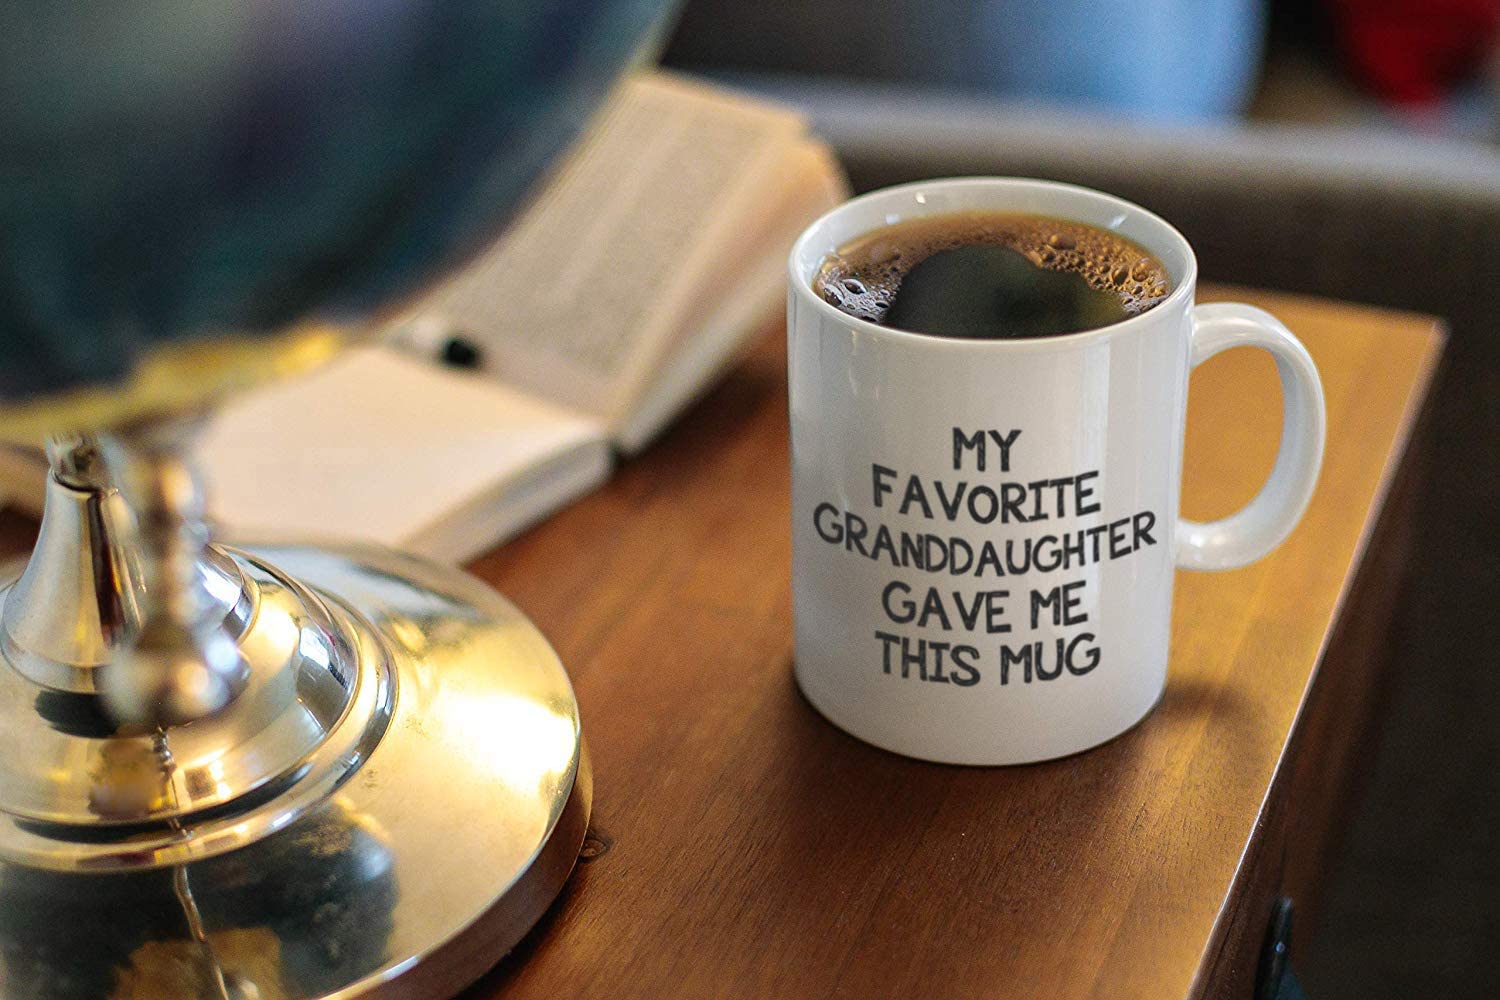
[[935, 655]]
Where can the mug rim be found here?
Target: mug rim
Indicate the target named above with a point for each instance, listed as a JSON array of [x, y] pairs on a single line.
[[1184, 289]]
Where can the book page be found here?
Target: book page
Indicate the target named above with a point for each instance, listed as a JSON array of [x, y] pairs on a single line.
[[382, 447], [585, 291], [754, 295]]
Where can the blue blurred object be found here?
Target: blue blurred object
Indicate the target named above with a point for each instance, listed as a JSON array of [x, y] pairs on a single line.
[[1174, 60], [171, 169], [1154, 59]]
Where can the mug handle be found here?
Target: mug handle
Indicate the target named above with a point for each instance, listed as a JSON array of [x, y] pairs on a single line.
[[1259, 526]]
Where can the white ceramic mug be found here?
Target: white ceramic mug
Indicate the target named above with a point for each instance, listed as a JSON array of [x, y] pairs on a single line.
[[985, 531]]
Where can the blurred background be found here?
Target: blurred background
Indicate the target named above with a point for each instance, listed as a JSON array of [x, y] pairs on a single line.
[[1344, 148]]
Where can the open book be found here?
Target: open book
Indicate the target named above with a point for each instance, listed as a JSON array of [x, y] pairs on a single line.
[[625, 288]]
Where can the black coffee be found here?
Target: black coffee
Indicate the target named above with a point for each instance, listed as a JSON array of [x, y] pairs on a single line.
[[992, 276]]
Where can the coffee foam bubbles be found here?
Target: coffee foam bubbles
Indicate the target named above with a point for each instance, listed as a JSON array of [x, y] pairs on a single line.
[[863, 277]]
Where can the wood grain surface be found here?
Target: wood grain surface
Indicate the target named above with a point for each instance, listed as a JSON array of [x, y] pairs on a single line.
[[743, 847]]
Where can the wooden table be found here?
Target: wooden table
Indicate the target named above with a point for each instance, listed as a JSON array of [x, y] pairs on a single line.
[[742, 846]]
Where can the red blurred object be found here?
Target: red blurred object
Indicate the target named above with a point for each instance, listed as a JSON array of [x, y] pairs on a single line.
[[1412, 51]]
